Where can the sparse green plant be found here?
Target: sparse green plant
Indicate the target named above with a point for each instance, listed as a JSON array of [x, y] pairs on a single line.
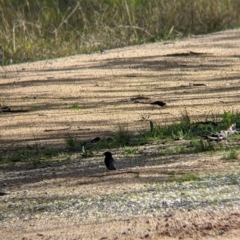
[[35, 162], [16, 157], [179, 134], [154, 132], [201, 145], [35, 147], [189, 177], [75, 106], [227, 118], [21, 154], [185, 119], [220, 232], [180, 149], [130, 150], [105, 143], [137, 175], [86, 148], [86, 153], [49, 152], [73, 143], [186, 177], [122, 136], [230, 117], [230, 155]]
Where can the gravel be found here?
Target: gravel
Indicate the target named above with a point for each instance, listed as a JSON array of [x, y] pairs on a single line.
[[209, 192]]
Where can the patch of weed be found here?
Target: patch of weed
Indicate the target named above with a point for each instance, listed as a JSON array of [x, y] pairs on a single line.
[[130, 150], [230, 155], [230, 117], [200, 145], [72, 142], [86, 153], [75, 145], [49, 152], [189, 177], [122, 136], [185, 119], [75, 107], [105, 143], [173, 177], [16, 157], [137, 175]]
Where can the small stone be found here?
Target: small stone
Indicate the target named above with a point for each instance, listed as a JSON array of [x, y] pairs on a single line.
[[26, 192]]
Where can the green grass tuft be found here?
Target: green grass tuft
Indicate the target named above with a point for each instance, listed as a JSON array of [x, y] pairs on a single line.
[[230, 155], [130, 150], [122, 136]]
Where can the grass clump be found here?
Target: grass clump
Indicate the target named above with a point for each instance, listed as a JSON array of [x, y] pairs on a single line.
[[75, 145], [230, 117], [72, 142], [122, 136], [29, 155], [75, 107], [230, 155], [130, 150], [49, 152], [189, 177], [200, 145], [186, 177], [159, 132]]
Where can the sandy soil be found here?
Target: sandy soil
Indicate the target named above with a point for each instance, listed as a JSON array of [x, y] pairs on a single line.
[[91, 95]]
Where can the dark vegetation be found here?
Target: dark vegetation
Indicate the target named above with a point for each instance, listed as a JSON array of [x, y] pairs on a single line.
[[43, 29]]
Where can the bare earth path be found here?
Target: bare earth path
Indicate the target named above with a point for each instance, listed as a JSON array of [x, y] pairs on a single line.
[[91, 95]]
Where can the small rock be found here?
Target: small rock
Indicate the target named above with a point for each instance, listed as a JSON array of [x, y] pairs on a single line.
[[2, 192], [26, 192]]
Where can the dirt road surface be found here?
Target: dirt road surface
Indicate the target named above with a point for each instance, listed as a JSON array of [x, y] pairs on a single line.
[[92, 95]]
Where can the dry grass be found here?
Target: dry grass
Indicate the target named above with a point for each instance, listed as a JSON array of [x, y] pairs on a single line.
[[34, 30]]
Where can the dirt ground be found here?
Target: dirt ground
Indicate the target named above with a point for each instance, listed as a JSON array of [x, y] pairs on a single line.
[[91, 95]]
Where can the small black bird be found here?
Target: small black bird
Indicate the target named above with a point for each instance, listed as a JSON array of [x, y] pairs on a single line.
[[109, 161], [159, 103]]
